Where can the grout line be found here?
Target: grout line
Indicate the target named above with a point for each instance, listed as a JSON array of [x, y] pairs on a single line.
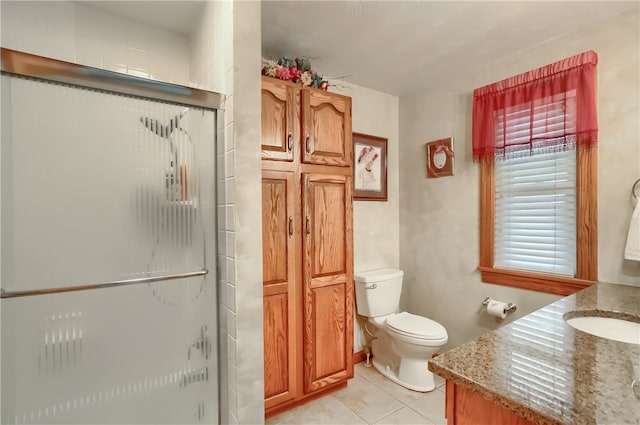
[[395, 411], [376, 385], [349, 409], [382, 388], [421, 415]]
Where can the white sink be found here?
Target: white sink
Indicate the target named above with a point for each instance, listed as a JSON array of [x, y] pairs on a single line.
[[607, 327]]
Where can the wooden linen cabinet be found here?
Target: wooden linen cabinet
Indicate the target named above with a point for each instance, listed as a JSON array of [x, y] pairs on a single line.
[[307, 233]]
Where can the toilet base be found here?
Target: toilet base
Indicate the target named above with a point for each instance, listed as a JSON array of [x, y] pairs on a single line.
[[391, 375]]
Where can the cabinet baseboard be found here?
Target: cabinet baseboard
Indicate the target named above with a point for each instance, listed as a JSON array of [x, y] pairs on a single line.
[[359, 356]]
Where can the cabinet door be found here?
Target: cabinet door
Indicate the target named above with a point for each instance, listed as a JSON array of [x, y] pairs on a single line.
[[326, 128], [279, 292], [328, 280], [280, 119]]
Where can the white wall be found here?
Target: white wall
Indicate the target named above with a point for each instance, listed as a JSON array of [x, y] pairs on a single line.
[[439, 218], [376, 230], [226, 58]]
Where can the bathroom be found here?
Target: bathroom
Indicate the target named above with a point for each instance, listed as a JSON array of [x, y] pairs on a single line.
[[441, 280]]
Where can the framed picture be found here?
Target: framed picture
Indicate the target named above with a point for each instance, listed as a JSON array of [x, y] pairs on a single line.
[[440, 158], [369, 168]]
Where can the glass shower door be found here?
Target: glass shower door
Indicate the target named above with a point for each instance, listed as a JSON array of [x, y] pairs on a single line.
[[111, 197]]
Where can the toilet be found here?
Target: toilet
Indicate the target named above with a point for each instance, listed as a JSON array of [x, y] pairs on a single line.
[[403, 342]]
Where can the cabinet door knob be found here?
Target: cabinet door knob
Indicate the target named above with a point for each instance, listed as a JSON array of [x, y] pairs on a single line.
[[308, 227], [308, 143], [290, 227], [289, 142]]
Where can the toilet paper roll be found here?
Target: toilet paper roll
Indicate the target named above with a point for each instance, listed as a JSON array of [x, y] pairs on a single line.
[[497, 309]]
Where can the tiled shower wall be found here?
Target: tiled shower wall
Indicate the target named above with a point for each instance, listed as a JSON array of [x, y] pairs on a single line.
[[225, 52], [223, 55], [72, 32]]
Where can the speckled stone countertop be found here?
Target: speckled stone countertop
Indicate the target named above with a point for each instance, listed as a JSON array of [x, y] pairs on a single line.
[[551, 373]]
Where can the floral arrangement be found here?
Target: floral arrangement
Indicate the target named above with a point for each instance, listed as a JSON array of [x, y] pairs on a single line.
[[296, 70]]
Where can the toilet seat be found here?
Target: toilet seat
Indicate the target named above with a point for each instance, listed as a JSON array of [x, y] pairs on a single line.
[[414, 326]]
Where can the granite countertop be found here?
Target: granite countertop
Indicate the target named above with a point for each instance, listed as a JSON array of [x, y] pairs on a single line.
[[551, 373]]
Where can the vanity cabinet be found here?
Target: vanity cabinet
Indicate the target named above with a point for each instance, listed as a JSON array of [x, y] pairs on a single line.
[[307, 234], [465, 407]]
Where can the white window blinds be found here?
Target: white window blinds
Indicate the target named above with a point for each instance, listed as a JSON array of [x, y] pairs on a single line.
[[535, 195]]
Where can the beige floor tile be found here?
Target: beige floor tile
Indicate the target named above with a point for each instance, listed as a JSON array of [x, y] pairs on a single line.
[[404, 416], [370, 398], [281, 418], [325, 410], [440, 381], [399, 392], [367, 400], [431, 406]]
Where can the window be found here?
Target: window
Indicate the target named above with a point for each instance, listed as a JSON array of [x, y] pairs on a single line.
[[536, 147], [535, 213]]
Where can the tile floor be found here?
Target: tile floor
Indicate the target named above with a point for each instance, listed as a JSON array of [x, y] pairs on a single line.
[[370, 398]]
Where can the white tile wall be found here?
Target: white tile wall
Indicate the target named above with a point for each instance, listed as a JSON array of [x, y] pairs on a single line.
[[94, 38], [75, 32], [214, 68], [228, 33]]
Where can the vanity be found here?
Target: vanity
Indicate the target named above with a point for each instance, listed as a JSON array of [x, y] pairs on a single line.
[[540, 370]]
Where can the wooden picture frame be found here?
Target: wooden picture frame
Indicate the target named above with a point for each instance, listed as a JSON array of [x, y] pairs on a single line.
[[369, 167], [440, 158]]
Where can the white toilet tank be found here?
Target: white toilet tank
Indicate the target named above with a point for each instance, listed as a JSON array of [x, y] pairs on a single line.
[[378, 292]]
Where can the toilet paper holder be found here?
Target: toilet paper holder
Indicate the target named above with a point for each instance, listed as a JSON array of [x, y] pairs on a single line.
[[510, 308]]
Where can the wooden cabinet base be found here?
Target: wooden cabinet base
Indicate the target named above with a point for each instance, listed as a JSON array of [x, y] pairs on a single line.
[[464, 407], [307, 398]]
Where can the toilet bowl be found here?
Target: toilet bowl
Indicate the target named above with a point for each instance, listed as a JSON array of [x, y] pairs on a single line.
[[415, 339], [403, 342]]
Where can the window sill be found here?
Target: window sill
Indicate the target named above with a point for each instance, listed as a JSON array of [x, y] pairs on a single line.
[[551, 284]]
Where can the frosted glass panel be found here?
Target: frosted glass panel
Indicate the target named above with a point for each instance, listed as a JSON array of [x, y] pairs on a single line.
[[115, 355], [98, 187]]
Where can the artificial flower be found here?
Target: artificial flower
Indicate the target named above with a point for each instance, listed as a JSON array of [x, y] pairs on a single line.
[[305, 79], [296, 70], [271, 70]]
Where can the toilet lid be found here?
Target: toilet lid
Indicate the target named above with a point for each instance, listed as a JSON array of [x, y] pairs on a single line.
[[416, 326]]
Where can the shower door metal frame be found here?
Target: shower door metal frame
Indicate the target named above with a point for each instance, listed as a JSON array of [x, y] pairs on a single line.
[[40, 67], [22, 64]]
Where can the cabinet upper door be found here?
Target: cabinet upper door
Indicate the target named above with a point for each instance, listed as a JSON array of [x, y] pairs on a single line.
[[279, 259], [328, 280], [326, 128], [280, 119]]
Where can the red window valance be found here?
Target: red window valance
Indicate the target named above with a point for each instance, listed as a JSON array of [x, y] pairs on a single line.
[[551, 106]]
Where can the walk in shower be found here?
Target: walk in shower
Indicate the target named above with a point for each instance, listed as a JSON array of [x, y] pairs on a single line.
[[108, 247]]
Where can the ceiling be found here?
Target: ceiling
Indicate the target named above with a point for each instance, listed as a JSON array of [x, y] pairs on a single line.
[[398, 47]]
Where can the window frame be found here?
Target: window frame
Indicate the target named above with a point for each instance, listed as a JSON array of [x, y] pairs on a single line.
[[586, 232]]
